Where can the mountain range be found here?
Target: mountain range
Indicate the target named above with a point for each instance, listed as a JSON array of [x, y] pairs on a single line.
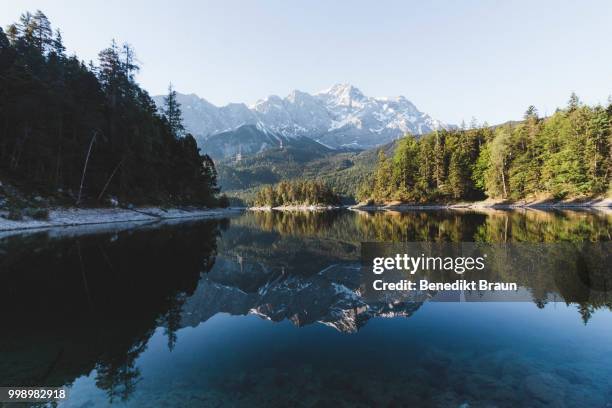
[[339, 117]]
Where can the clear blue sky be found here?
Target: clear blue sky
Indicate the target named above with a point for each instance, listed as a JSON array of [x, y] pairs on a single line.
[[453, 59]]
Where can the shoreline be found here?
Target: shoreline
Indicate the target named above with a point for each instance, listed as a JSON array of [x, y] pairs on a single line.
[[602, 205], [93, 216], [599, 204], [300, 208], [71, 217]]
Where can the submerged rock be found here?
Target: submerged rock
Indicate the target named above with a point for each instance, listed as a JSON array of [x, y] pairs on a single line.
[[546, 388]]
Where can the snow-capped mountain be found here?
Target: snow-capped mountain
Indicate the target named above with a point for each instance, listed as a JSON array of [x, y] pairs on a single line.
[[341, 116]]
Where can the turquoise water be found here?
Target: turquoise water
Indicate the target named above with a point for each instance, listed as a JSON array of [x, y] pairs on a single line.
[[446, 355], [265, 310]]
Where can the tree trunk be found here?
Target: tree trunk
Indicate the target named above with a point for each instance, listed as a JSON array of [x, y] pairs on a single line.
[[503, 175], [93, 138], [109, 179]]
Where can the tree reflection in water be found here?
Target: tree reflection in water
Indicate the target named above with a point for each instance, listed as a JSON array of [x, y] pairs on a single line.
[[92, 302]]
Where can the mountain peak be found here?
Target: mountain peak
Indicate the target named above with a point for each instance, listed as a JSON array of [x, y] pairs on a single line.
[[343, 92], [297, 95], [338, 116]]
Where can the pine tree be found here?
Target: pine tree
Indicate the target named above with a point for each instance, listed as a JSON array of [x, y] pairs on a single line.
[[597, 150], [58, 44], [439, 174], [109, 71], [382, 178], [4, 41], [573, 103], [24, 27], [12, 33], [129, 61], [480, 168], [405, 168], [531, 112], [474, 123], [172, 112], [40, 27]]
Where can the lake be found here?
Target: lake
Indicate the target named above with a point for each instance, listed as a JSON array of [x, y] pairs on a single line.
[[266, 309]]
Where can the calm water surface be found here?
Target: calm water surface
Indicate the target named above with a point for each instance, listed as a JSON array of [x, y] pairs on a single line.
[[265, 309]]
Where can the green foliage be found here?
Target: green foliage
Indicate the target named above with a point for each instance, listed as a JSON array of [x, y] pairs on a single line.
[[85, 131], [567, 155], [15, 214], [224, 201], [435, 166], [345, 172], [296, 193], [37, 213]]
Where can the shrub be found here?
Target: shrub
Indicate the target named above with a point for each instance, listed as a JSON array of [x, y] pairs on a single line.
[[15, 214], [224, 201], [36, 213]]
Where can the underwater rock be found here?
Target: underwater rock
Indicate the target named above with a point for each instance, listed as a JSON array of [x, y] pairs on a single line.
[[481, 387], [571, 375], [584, 397], [446, 399], [546, 388]]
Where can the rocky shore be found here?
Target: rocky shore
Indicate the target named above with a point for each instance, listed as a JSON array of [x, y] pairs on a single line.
[[600, 203], [298, 208], [63, 217]]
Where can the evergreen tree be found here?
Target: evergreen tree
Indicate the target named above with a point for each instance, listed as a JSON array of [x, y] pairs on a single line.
[[566, 155], [172, 112], [382, 178], [40, 29], [4, 41], [573, 103], [597, 150], [12, 33], [297, 192], [58, 44], [73, 130], [531, 112], [439, 164], [405, 168]]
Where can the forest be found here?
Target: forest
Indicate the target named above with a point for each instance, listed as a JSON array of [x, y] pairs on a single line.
[[297, 192], [565, 156], [81, 133]]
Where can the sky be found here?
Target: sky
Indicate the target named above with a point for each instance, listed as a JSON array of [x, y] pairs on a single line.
[[453, 59]]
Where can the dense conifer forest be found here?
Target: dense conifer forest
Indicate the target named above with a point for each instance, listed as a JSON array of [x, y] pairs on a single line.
[[567, 155], [84, 132], [298, 192]]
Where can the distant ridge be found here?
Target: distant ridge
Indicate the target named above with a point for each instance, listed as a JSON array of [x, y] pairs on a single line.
[[248, 140], [340, 116]]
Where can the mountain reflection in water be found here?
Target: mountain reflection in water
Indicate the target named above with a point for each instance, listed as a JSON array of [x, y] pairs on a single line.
[[95, 306]]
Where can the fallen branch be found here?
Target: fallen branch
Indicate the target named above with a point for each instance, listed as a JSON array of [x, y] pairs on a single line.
[[110, 178], [93, 138]]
